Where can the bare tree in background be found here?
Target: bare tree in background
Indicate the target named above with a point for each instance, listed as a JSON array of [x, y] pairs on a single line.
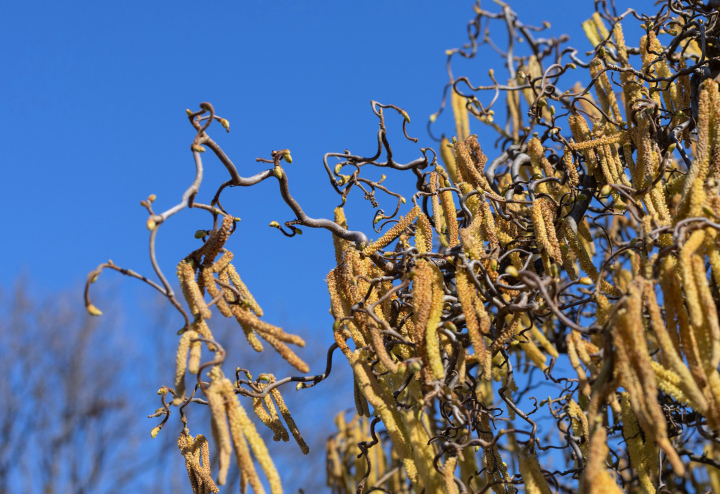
[[65, 409]]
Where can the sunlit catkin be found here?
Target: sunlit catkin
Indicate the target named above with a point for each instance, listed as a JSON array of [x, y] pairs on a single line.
[[460, 112], [393, 232], [193, 296], [289, 420]]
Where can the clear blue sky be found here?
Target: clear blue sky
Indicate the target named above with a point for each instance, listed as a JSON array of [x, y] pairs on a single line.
[[94, 98]]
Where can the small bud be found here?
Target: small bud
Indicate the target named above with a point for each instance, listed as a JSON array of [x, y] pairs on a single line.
[[197, 148], [605, 191], [671, 147], [571, 66], [151, 224], [93, 311], [296, 230], [299, 386], [546, 24], [542, 103], [274, 224], [581, 197], [336, 325], [287, 157], [433, 117], [162, 391], [491, 73], [263, 378], [201, 233], [449, 52], [405, 115], [414, 366], [225, 124], [151, 198], [585, 281], [155, 431], [402, 199], [338, 167], [493, 265], [278, 172], [236, 219], [477, 448], [189, 113], [552, 112], [554, 271], [511, 270], [248, 376]]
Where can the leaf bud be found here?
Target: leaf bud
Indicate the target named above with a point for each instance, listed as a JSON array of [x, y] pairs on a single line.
[[201, 233], [274, 224], [197, 148], [585, 281], [155, 431], [278, 172], [511, 270]]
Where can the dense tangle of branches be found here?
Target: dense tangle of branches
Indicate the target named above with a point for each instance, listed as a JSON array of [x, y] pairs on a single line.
[[582, 254]]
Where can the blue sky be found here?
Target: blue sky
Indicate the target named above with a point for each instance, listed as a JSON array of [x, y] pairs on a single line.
[[94, 101]]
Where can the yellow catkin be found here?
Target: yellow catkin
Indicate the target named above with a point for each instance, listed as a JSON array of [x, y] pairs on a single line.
[[195, 356], [340, 244], [385, 408], [393, 232], [247, 298], [533, 479], [636, 373], [191, 290], [693, 195], [573, 176], [268, 415], [181, 365], [240, 422], [537, 159], [222, 263], [450, 213], [671, 355], [289, 420], [435, 201], [635, 445], [448, 476], [423, 234], [208, 279], [448, 158], [596, 479], [250, 334], [197, 461], [460, 112], [221, 432], [472, 322], [579, 424], [217, 240], [432, 341], [496, 469], [585, 260]]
